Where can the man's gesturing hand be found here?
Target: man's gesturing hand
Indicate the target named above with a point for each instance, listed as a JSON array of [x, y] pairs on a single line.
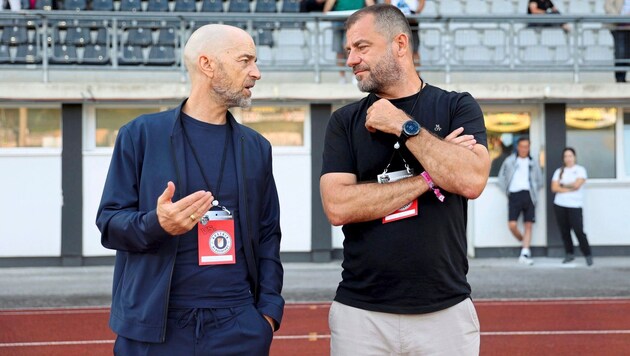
[[181, 216]]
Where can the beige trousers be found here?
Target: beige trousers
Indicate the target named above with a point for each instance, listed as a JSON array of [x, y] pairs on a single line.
[[452, 331]]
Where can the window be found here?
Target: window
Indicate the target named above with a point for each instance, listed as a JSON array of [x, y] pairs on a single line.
[[591, 132], [281, 125], [503, 130], [30, 127], [109, 121]]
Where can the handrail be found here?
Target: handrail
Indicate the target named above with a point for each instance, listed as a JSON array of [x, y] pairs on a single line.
[[447, 55]]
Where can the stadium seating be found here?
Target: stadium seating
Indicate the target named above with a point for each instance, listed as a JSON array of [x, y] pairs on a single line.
[[74, 5], [64, 54], [212, 6], [27, 54], [185, 6], [130, 5], [161, 55], [157, 6], [95, 54], [103, 5], [5, 54]]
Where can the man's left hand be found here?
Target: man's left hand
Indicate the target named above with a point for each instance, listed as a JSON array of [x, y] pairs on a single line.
[[385, 117], [271, 322]]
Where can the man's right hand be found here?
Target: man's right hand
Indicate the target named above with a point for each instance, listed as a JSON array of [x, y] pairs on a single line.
[[181, 216]]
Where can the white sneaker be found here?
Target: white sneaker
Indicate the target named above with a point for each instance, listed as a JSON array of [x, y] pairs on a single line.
[[525, 259]]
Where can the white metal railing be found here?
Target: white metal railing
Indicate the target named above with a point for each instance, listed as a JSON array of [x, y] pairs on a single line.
[[303, 41]]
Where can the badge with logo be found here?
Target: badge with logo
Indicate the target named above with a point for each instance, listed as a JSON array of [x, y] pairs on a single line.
[[216, 238], [409, 210]]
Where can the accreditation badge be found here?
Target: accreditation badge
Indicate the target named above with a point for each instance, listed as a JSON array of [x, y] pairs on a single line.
[[215, 235], [409, 210]]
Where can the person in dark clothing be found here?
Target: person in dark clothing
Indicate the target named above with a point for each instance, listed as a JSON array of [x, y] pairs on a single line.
[[544, 7], [398, 179], [621, 36], [191, 208]]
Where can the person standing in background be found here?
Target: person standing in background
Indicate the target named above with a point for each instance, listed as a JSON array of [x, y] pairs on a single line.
[[621, 36], [338, 30], [411, 7], [568, 184], [15, 5], [520, 179]]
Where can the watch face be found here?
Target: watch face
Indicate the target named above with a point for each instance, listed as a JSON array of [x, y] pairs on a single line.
[[411, 128]]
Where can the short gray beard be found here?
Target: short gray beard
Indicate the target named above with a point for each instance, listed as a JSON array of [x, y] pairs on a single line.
[[384, 73], [231, 98]]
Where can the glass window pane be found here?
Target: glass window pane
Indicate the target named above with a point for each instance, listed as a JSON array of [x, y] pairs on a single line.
[[30, 127], [281, 125], [626, 141], [109, 121], [591, 132], [503, 130]]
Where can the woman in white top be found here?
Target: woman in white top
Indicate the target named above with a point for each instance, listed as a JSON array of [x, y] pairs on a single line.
[[568, 184]]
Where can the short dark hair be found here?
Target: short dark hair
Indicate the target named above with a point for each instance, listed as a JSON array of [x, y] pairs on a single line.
[[389, 20], [522, 138]]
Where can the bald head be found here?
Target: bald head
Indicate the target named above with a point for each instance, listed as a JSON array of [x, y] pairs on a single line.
[[213, 41]]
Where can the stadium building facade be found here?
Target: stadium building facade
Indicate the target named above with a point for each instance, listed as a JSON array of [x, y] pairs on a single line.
[[69, 79]]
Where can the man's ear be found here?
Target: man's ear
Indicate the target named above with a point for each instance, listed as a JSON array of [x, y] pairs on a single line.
[[401, 43], [207, 65]]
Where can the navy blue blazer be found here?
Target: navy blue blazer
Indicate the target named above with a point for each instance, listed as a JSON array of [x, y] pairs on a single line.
[[149, 151]]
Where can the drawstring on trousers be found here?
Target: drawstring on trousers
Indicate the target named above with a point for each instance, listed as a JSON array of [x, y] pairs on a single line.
[[199, 314]]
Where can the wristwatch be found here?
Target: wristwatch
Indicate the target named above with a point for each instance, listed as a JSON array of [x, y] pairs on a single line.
[[409, 129]]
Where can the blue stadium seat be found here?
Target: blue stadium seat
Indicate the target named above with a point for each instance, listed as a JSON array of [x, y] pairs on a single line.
[[239, 6], [64, 54], [27, 54], [185, 6], [158, 6], [166, 36], [161, 55], [131, 55], [130, 5], [264, 37], [103, 5], [139, 37], [101, 36], [78, 36], [5, 54], [14, 35], [212, 6], [44, 5], [95, 54], [74, 5], [291, 6], [265, 7]]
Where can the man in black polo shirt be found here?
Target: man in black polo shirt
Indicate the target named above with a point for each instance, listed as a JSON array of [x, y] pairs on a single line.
[[398, 181]]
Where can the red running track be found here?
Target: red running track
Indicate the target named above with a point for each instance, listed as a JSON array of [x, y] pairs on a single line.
[[509, 327]]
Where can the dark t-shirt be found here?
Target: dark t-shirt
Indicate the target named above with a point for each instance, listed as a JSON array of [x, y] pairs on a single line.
[[415, 265], [211, 286], [541, 4]]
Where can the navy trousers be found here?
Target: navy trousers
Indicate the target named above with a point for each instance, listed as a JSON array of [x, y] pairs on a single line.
[[200, 331]]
